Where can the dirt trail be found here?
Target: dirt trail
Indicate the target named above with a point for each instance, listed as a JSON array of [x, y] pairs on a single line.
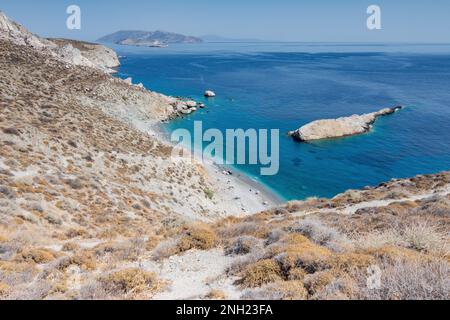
[[194, 274], [352, 209]]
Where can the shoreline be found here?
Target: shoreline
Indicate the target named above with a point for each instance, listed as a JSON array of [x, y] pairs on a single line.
[[244, 190]]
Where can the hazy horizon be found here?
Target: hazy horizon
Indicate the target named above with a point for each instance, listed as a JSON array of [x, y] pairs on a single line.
[[415, 21]]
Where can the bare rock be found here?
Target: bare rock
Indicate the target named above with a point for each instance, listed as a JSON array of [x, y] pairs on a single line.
[[341, 127]]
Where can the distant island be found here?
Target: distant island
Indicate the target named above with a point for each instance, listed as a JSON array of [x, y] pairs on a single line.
[[148, 38], [220, 39]]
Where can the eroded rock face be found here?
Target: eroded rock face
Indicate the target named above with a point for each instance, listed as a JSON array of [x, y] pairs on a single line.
[[341, 127], [98, 55]]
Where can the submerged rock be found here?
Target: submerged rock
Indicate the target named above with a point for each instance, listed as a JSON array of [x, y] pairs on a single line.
[[341, 127]]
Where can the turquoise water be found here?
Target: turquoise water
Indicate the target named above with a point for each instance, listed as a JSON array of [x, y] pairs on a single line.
[[283, 86]]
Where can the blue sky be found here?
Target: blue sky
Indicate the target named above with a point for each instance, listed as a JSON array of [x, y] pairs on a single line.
[[286, 20]]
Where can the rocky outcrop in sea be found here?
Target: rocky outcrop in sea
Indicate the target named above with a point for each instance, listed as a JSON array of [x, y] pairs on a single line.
[[341, 127]]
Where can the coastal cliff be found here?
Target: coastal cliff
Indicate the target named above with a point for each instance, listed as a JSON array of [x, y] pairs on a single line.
[[341, 127]]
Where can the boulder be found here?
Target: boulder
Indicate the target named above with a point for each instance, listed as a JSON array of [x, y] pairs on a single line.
[[191, 104], [210, 94]]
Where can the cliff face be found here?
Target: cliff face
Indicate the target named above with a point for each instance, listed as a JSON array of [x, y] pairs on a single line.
[[99, 55]]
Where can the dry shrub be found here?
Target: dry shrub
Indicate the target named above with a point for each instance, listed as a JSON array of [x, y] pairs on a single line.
[[316, 282], [319, 233], [166, 249], [70, 247], [84, 259], [296, 251], [129, 281], [340, 288], [285, 290], [4, 290], [393, 253], [308, 204], [39, 256], [424, 236], [378, 239], [275, 236], [241, 262], [437, 206], [348, 262], [259, 273], [253, 229], [216, 295], [121, 251], [197, 236], [75, 233], [411, 280], [242, 246]]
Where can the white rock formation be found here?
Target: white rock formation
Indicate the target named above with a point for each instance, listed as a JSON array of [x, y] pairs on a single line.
[[10, 30], [341, 127], [97, 55], [210, 94], [191, 104], [70, 51]]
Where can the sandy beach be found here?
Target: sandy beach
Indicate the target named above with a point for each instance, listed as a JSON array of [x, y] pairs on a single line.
[[236, 193]]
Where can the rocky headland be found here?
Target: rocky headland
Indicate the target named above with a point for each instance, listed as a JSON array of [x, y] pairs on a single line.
[[341, 127]]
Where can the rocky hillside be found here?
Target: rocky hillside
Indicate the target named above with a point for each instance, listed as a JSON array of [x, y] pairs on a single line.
[[79, 168], [72, 52]]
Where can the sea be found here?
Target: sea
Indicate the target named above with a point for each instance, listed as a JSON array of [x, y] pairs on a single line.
[[286, 85]]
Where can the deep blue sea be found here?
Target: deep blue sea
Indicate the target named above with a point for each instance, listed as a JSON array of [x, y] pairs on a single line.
[[286, 85]]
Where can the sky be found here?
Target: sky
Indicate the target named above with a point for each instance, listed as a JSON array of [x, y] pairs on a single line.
[[283, 20]]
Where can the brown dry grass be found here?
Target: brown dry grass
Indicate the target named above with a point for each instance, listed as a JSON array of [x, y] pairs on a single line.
[[38, 255], [128, 281], [4, 290], [259, 273]]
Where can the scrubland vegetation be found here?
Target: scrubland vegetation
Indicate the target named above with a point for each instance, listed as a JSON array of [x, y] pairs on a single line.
[[90, 208]]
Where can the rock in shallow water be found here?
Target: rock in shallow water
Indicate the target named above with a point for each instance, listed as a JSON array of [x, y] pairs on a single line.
[[341, 127], [210, 94]]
